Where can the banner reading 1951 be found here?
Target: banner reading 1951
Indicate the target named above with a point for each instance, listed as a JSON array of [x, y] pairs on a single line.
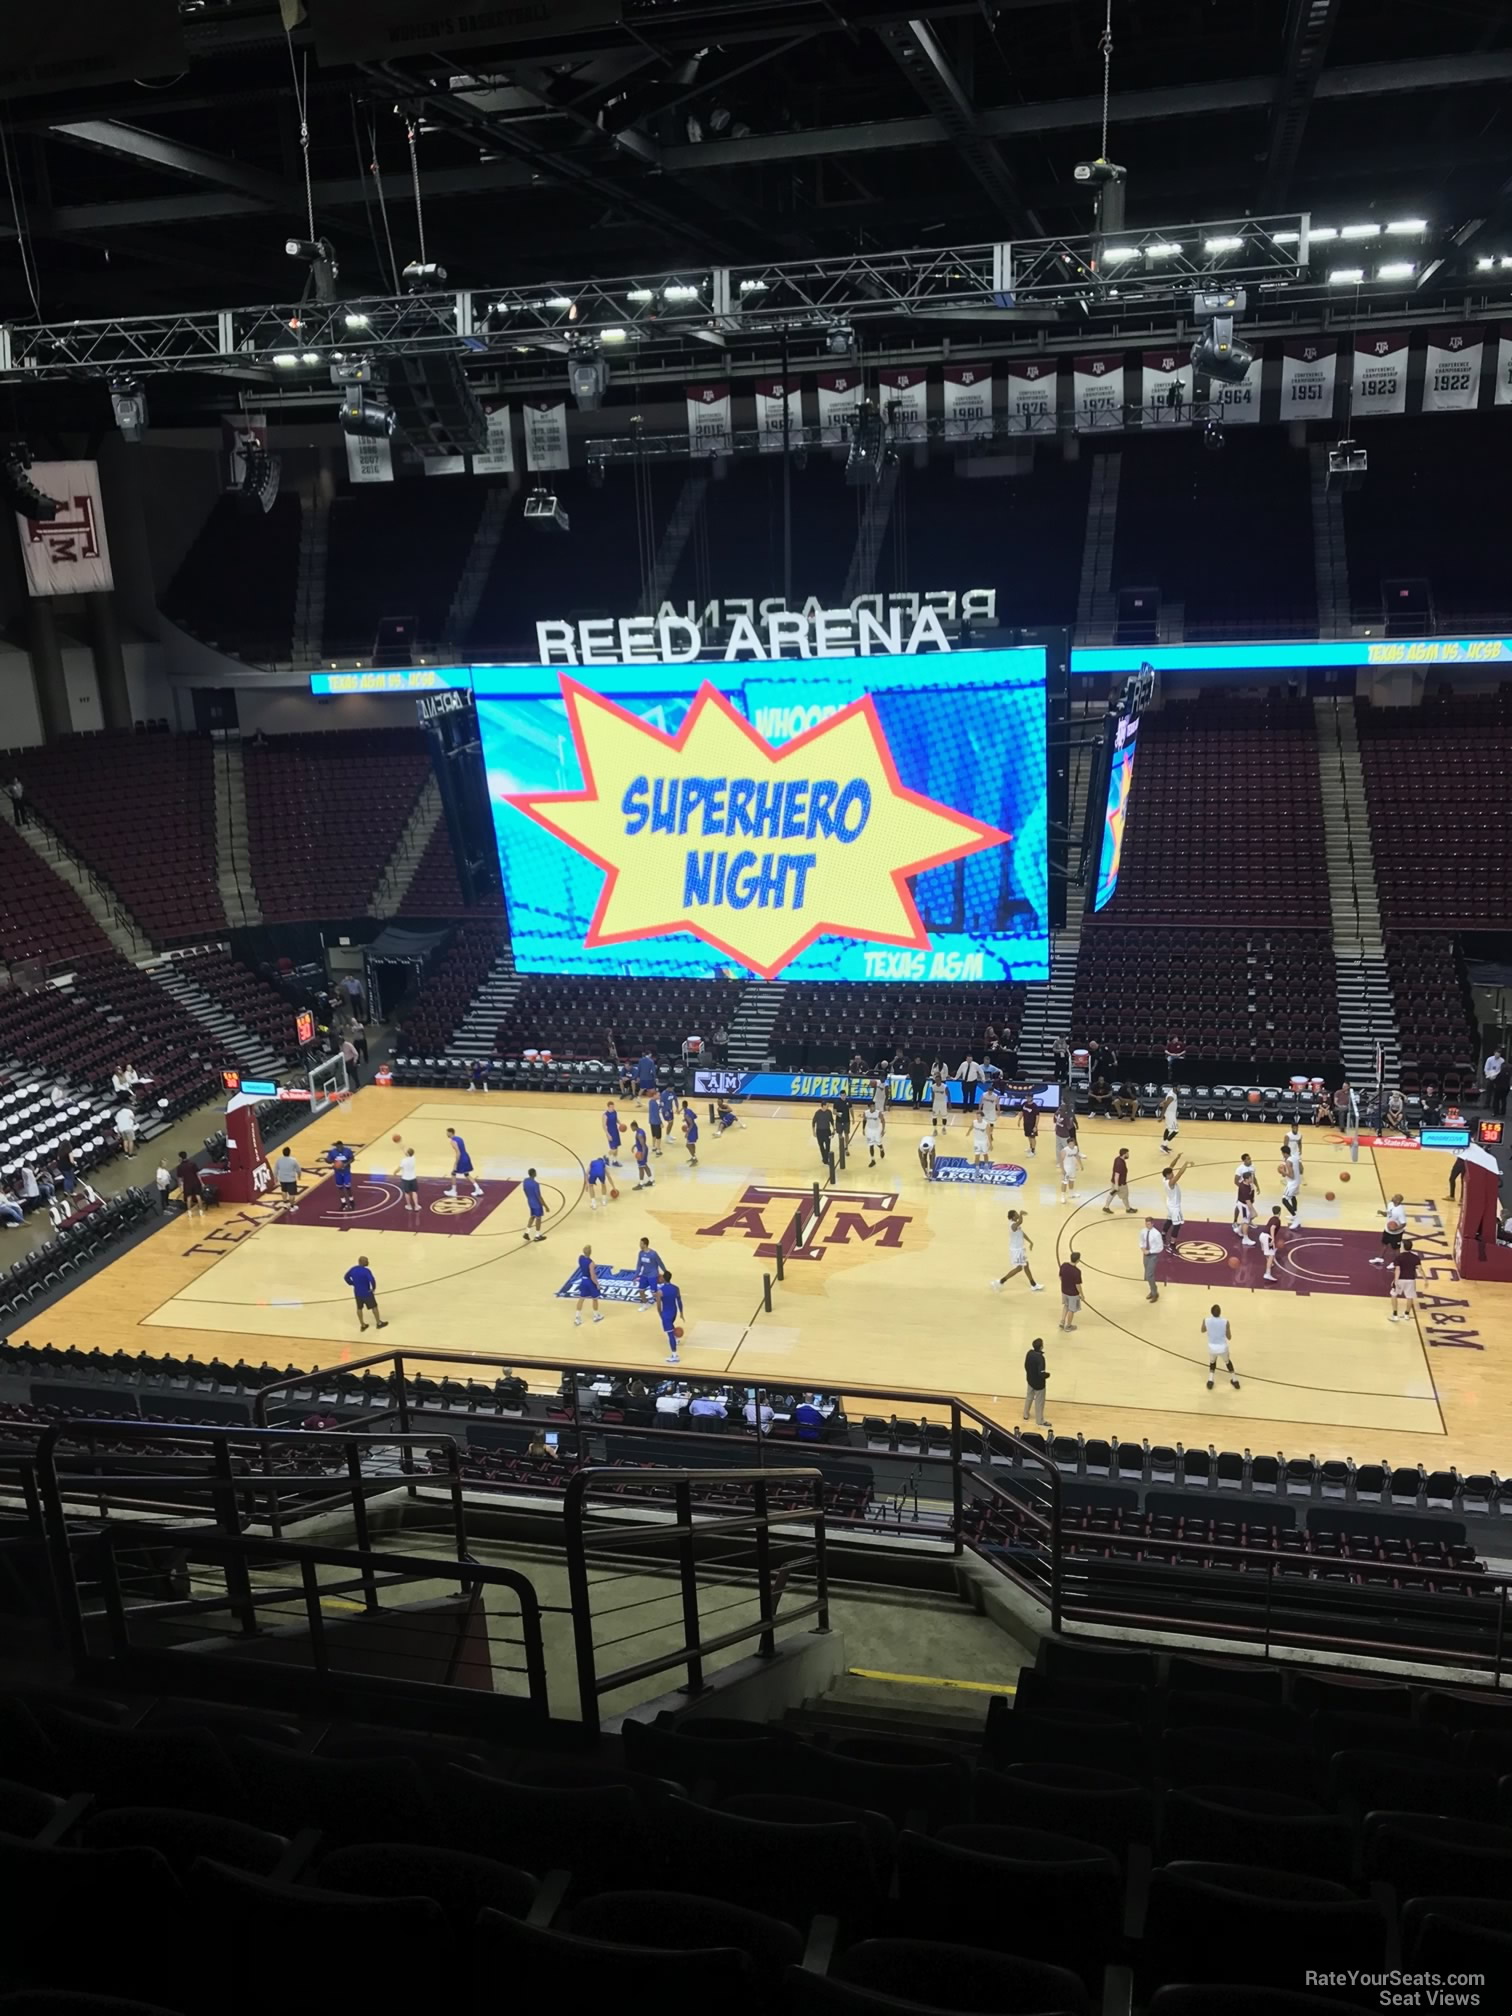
[[848, 818]]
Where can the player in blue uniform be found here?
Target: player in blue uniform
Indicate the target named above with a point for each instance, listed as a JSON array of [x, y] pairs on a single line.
[[690, 1135], [364, 1287], [654, 1122], [648, 1268], [668, 1106], [640, 1148], [612, 1133], [535, 1204], [669, 1295], [726, 1117], [462, 1164], [341, 1159], [598, 1182], [585, 1286]]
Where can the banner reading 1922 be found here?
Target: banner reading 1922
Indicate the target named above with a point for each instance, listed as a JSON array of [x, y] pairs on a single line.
[[866, 818]]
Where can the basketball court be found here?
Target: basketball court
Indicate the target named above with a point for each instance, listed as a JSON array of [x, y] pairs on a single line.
[[890, 1287]]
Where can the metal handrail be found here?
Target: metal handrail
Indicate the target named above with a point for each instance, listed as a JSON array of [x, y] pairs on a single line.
[[685, 1531]]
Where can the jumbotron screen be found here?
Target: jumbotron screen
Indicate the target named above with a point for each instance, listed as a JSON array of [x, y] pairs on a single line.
[[850, 818], [1116, 811]]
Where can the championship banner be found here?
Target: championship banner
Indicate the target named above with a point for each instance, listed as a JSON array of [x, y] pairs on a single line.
[[1504, 365], [903, 396], [370, 458], [70, 554], [839, 403], [770, 407], [709, 423], [498, 458], [545, 434], [1452, 371], [1309, 367], [1166, 394], [968, 402], [1031, 397], [444, 465], [1239, 405], [1097, 392], [1380, 373]]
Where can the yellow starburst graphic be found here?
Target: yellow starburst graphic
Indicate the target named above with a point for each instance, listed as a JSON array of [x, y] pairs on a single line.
[[756, 850]]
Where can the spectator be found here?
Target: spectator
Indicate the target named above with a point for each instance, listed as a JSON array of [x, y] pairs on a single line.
[[349, 1057], [759, 1410], [707, 1407], [358, 1035], [31, 1189], [809, 1420], [1175, 1052], [164, 1180], [673, 1401], [191, 1189], [1497, 1080], [1035, 1376], [1062, 1061], [1394, 1119], [1071, 1281], [286, 1169], [1125, 1103], [918, 1076], [21, 811], [126, 1127], [970, 1075], [351, 986], [1101, 1098], [720, 1040], [10, 1210], [124, 1079]]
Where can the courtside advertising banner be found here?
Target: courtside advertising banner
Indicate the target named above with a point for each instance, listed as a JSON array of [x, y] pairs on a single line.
[[903, 396], [709, 424], [1452, 371], [968, 402], [1167, 391], [1380, 373], [839, 403], [840, 818], [1238, 404], [498, 458], [545, 434], [69, 555], [1097, 391], [772, 401], [1031, 397], [1309, 365]]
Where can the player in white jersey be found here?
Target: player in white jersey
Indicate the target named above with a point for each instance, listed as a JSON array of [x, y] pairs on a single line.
[[1171, 1177], [1268, 1250], [941, 1098], [1168, 1119], [927, 1154], [1020, 1246], [1219, 1333], [1395, 1215], [980, 1133], [988, 1109], [1071, 1159], [874, 1129], [1290, 1172]]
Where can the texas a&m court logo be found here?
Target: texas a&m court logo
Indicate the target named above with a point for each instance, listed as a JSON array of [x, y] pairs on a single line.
[[849, 1222]]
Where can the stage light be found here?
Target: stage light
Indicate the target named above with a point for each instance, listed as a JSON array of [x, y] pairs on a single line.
[[588, 379], [1360, 231], [1346, 276], [1396, 269], [319, 254], [1285, 237], [1215, 350], [613, 335], [1228, 244], [129, 404], [309, 356], [558, 303], [753, 287], [359, 416], [286, 360], [355, 319], [840, 340], [1161, 251], [419, 275], [641, 294], [1113, 254], [1407, 227], [679, 291], [1484, 265], [1320, 233]]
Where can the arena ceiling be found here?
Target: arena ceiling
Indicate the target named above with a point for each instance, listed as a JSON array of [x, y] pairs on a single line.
[[557, 138]]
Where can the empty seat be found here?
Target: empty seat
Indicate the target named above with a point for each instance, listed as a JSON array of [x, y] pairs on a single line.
[[1271, 1830], [1202, 1915], [1040, 1895]]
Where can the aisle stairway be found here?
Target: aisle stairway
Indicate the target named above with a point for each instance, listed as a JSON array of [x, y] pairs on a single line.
[[750, 1031], [231, 1034], [1047, 1005], [489, 1007], [233, 859], [1367, 1016], [409, 851]]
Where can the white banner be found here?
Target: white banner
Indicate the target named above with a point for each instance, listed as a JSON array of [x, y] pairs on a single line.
[[545, 434], [1239, 405], [709, 422], [1504, 365], [903, 397], [370, 458], [1097, 387], [1166, 394], [839, 403], [1380, 373], [968, 402], [770, 407], [1309, 367], [1452, 371], [444, 465], [498, 458], [68, 555], [1031, 397]]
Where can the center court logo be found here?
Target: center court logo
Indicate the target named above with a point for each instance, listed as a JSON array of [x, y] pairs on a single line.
[[454, 1207], [615, 1284], [847, 1222], [1202, 1253], [956, 1169]]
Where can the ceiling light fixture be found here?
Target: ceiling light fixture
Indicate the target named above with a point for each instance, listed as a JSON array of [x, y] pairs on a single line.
[[1407, 227], [1229, 244], [1396, 269], [1346, 276]]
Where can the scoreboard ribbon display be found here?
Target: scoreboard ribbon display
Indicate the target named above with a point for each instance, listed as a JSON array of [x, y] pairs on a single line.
[[839, 819]]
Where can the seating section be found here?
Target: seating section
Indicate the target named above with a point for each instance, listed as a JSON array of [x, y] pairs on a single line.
[[824, 1025], [397, 549], [1135, 1826], [91, 1227], [241, 993], [324, 814], [1396, 526], [50, 1127], [235, 589], [1226, 538], [436, 1013], [139, 810], [1225, 821], [1258, 1005], [1434, 1012], [111, 1014], [599, 1018], [434, 890], [42, 920], [1440, 812]]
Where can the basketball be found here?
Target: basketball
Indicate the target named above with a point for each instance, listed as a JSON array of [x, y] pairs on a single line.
[[614, 1194], [1329, 1196], [677, 1329], [396, 1140], [1343, 1175]]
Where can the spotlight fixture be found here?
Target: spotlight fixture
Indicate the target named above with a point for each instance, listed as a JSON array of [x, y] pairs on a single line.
[[542, 508], [1215, 351], [129, 404], [421, 275], [588, 379], [840, 339], [359, 415], [319, 254], [1347, 465], [21, 493]]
